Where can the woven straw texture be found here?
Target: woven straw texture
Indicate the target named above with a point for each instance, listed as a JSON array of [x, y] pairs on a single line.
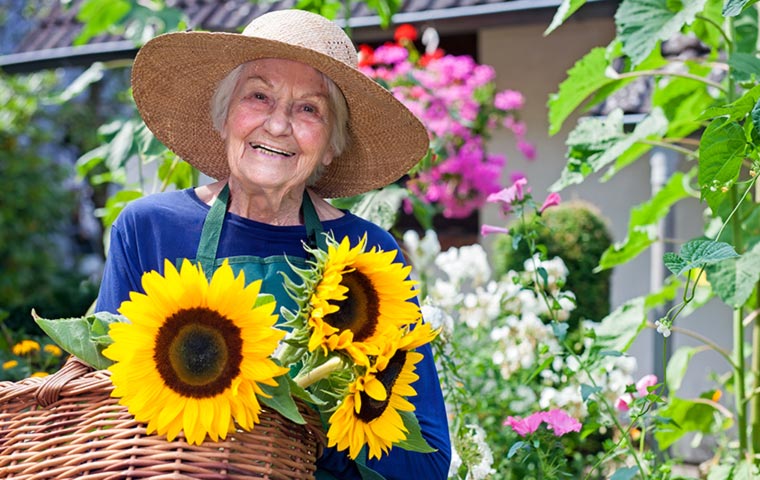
[[67, 426]]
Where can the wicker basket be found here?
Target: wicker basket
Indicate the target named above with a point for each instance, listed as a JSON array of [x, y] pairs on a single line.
[[67, 426]]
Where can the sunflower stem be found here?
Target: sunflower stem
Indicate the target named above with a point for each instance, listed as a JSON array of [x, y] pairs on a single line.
[[304, 380]]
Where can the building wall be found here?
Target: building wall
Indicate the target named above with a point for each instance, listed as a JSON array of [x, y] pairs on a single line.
[[527, 61]]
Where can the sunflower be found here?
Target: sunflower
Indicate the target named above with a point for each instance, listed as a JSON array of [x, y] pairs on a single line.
[[195, 352], [369, 414], [361, 298]]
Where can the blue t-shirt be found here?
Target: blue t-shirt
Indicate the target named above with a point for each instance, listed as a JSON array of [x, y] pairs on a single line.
[[168, 225]]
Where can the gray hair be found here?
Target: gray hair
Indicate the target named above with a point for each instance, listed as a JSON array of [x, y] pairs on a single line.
[[220, 105]]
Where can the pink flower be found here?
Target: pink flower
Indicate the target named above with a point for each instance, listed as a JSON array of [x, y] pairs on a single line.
[[623, 403], [509, 100], [527, 425], [527, 149], [551, 201], [510, 195], [560, 422], [489, 229], [642, 386]]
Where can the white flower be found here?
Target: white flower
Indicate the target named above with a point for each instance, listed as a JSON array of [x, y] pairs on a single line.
[[483, 468], [468, 262], [456, 461], [422, 252], [663, 328], [438, 318]]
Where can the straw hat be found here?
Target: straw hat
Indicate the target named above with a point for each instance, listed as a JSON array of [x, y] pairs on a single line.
[[174, 77]]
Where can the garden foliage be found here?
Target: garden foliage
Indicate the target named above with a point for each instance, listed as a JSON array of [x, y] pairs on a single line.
[[577, 233], [708, 110]]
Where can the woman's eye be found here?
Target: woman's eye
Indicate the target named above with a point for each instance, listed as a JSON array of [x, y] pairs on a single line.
[[259, 96]]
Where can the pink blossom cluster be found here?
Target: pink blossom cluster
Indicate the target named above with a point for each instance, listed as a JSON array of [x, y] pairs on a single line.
[[623, 403], [456, 99], [556, 420], [512, 197]]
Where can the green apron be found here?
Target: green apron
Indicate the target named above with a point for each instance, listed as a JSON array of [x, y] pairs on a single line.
[[268, 269]]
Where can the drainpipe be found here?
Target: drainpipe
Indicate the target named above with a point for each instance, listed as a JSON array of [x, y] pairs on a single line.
[[662, 166]]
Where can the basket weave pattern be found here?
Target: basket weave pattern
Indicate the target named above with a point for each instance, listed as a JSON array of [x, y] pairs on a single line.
[[67, 426]]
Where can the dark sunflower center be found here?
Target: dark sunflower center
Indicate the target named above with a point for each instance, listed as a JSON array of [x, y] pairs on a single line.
[[371, 408], [198, 352], [359, 312]]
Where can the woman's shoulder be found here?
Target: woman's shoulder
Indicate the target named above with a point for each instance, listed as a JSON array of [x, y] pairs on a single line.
[[355, 226], [155, 206]]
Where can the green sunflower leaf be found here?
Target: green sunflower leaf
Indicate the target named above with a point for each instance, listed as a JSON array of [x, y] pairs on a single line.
[[414, 442], [83, 337], [278, 398], [264, 299]]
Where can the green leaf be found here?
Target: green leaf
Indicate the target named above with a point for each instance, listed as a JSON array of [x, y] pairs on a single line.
[[144, 23], [745, 470], [116, 203], [278, 398], [755, 115], [642, 24], [736, 110], [625, 473], [683, 100], [83, 337], [565, 9], [122, 146], [91, 159], [595, 143], [642, 225], [746, 28], [744, 63], [619, 329], [264, 299], [721, 152], [721, 472], [584, 78], [98, 16], [690, 416], [380, 206], [80, 84], [414, 441], [734, 279], [733, 8], [677, 366], [698, 253], [516, 447], [588, 390], [704, 26]]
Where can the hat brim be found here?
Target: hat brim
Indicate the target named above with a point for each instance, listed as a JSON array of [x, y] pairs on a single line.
[[174, 77]]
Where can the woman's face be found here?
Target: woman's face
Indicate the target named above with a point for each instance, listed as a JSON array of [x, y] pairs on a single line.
[[278, 125]]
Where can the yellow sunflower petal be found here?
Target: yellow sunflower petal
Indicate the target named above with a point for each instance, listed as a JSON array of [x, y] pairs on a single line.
[[182, 318]]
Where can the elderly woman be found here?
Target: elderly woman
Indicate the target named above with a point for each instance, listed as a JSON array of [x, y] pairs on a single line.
[[282, 118]]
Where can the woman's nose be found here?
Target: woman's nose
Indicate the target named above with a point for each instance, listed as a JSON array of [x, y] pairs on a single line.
[[278, 122]]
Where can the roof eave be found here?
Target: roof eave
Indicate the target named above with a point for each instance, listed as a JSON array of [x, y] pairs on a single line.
[[364, 27], [84, 55]]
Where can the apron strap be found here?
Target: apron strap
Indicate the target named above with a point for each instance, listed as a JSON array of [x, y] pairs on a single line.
[[311, 222], [212, 228], [212, 231]]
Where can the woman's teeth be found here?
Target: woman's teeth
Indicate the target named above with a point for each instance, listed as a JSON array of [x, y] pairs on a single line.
[[272, 150]]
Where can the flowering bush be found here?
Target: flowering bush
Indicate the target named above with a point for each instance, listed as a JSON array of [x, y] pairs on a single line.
[[30, 358], [508, 339], [456, 99], [497, 339]]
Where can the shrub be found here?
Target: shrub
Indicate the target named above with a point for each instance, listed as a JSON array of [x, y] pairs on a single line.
[[576, 232]]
